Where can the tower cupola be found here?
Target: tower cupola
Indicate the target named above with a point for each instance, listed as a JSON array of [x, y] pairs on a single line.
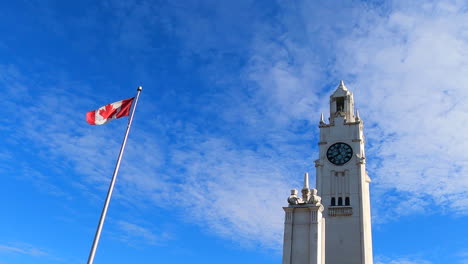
[[342, 104]]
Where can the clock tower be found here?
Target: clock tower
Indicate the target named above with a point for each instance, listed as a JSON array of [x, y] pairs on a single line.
[[343, 184]]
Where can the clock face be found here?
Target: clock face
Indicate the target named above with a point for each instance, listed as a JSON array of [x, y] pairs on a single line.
[[339, 153]]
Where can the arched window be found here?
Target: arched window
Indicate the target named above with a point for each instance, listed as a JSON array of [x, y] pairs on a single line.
[[346, 201], [333, 202], [340, 201]]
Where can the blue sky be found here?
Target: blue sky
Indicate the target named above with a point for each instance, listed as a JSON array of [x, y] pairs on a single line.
[[226, 125]]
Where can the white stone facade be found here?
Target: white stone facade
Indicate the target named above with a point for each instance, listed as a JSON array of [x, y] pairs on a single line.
[[304, 228], [343, 185]]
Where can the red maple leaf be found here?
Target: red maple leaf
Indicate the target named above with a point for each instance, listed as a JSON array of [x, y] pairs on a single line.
[[107, 111]]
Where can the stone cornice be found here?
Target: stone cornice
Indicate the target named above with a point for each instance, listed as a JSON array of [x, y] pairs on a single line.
[[310, 207], [345, 123], [353, 123]]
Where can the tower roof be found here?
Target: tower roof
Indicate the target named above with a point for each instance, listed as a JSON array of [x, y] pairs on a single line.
[[341, 90]]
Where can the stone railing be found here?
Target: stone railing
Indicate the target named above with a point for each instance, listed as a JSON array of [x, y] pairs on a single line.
[[340, 211]]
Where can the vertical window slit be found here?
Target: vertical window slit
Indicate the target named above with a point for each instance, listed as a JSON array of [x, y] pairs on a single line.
[[340, 104]]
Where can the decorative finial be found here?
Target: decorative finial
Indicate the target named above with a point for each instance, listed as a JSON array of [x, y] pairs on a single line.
[[306, 180], [322, 122], [357, 115], [306, 190], [342, 85]]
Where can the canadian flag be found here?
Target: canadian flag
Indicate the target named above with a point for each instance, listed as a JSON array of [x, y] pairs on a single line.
[[109, 112]]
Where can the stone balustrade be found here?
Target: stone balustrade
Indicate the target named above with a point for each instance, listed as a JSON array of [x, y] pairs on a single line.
[[340, 211]]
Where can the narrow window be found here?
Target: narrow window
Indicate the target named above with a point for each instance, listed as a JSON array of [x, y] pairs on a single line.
[[346, 201], [333, 203], [340, 201], [340, 104]]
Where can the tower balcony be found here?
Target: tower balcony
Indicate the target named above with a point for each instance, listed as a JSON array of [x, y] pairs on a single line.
[[340, 210]]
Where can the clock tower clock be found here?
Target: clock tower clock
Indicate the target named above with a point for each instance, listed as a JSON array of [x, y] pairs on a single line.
[[343, 184]]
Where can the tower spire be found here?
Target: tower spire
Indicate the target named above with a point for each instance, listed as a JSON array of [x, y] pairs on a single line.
[[306, 180], [305, 190], [322, 121], [342, 86]]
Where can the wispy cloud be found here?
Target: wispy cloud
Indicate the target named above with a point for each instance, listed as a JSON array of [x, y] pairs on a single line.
[[233, 191], [410, 69], [135, 234], [403, 260], [463, 256], [407, 66], [233, 177], [24, 249]]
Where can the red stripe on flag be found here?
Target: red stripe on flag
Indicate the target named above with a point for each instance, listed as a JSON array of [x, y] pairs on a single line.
[[91, 117], [125, 108]]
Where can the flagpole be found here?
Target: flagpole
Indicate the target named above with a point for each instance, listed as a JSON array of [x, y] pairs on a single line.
[[92, 253]]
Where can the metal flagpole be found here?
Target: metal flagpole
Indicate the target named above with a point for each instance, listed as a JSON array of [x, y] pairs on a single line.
[[111, 187]]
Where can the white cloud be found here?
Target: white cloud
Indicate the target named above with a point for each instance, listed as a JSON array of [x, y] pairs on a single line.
[[135, 234], [384, 260], [463, 256], [409, 73], [24, 249], [235, 193], [407, 69], [228, 190]]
